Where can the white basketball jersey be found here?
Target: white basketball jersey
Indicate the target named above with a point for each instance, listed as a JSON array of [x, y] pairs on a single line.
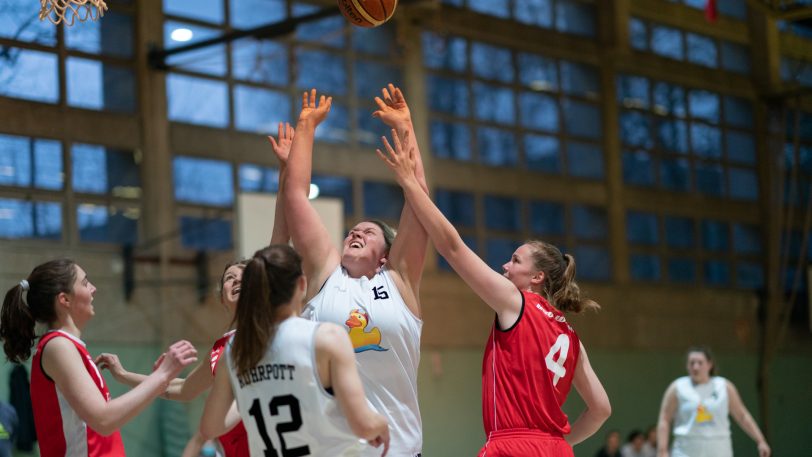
[[386, 338], [701, 422], [283, 404]]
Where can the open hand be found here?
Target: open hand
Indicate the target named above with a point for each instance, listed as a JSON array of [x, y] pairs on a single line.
[[312, 111], [400, 158], [177, 357], [392, 109], [110, 362], [282, 147]]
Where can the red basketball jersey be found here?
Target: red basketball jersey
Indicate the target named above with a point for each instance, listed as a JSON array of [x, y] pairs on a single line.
[[527, 370], [235, 441], [60, 431]]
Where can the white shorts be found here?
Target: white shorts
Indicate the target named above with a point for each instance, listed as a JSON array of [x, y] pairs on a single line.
[[702, 447]]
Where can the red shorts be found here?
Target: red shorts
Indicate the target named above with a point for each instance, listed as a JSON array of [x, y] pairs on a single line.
[[525, 443]]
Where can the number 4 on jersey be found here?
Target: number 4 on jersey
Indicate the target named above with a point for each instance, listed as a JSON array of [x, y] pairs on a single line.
[[562, 348]]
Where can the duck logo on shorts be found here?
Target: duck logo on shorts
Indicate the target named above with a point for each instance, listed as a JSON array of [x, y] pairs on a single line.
[[702, 415], [363, 339]]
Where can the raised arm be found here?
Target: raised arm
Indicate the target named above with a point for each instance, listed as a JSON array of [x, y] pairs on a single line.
[[496, 290], [310, 236], [281, 148], [408, 253], [179, 389], [598, 409], [667, 410], [334, 351], [63, 363], [742, 417]]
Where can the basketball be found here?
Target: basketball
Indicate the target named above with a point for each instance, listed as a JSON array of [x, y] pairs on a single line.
[[367, 13]]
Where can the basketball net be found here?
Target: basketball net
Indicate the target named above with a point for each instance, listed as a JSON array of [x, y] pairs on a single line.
[[68, 10]]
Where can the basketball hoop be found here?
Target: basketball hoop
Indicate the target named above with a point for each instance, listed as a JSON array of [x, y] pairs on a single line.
[[68, 10]]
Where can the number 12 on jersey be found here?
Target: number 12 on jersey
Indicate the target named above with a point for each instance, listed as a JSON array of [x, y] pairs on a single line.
[[562, 348], [294, 424]]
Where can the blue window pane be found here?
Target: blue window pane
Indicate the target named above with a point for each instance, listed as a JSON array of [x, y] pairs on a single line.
[[444, 52], [710, 179], [797, 71], [669, 99], [717, 272], [638, 168], [89, 166], [254, 178], [442, 264], [746, 239], [448, 95], [203, 181], [112, 36], [749, 275], [499, 251], [638, 34], [458, 207], [537, 72], [17, 166], [24, 219], [102, 225], [491, 62], [370, 77], [186, 104], [19, 21], [735, 58], [338, 187], [579, 79], [382, 200], [48, 171], [336, 128], [701, 50], [204, 10], [738, 112], [635, 129], [593, 263], [210, 60], [260, 110], [324, 70], [538, 111], [680, 232], [715, 236], [672, 135], [675, 174], [94, 85], [632, 91], [704, 105], [328, 32], [642, 228], [502, 213], [667, 42], [259, 61], [534, 12], [740, 147], [644, 267], [743, 184], [497, 147], [245, 14], [498, 8], [542, 153], [706, 141], [450, 141], [681, 270], [494, 103], [380, 41], [585, 160], [582, 119], [732, 8], [547, 218], [575, 17], [30, 75], [589, 222], [805, 159], [205, 233]]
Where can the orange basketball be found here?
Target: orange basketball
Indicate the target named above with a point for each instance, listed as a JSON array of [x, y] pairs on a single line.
[[367, 13]]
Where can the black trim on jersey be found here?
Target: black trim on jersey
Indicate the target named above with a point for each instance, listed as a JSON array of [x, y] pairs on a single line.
[[329, 390], [521, 313], [42, 368]]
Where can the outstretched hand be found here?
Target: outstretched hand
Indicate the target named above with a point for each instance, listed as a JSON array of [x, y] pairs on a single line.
[[176, 358], [110, 362], [282, 147], [392, 109], [312, 111], [400, 159]]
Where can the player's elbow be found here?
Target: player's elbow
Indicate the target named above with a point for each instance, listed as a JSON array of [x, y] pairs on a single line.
[[207, 431], [601, 408]]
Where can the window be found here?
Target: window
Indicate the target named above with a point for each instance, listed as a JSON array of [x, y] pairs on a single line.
[[27, 219], [203, 181], [27, 162], [382, 200]]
